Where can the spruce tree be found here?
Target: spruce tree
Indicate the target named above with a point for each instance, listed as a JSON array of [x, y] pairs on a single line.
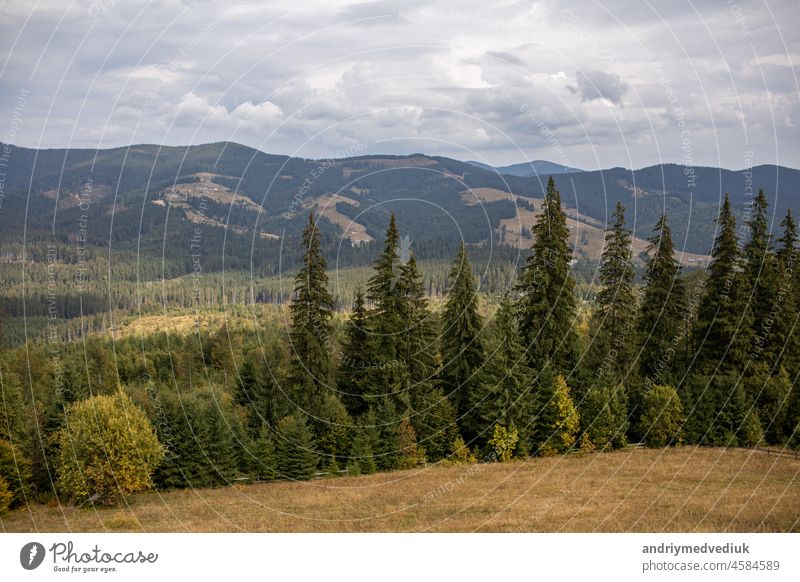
[[386, 324], [462, 349], [556, 420], [419, 330], [264, 457], [361, 460], [505, 392], [386, 442], [785, 339], [259, 391], [434, 421], [548, 304], [610, 351], [722, 334], [760, 282], [311, 331], [296, 456], [661, 311], [353, 374]]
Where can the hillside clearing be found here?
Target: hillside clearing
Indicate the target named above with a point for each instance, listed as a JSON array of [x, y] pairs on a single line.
[[682, 489]]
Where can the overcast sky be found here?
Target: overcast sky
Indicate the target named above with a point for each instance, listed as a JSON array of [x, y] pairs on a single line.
[[588, 84]]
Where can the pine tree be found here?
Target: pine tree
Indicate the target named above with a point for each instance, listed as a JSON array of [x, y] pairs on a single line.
[[547, 306], [610, 353], [723, 327], [504, 394], [296, 456], [662, 309], [462, 349], [311, 372], [353, 374]]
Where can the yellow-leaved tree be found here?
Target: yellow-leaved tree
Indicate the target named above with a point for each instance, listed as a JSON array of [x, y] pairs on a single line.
[[107, 449], [558, 422]]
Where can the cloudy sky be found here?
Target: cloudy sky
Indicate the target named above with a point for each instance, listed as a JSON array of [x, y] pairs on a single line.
[[588, 84]]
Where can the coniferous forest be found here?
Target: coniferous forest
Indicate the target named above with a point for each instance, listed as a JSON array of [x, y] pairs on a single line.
[[397, 380]]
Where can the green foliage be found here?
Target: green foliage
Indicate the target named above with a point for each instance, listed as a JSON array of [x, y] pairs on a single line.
[[107, 449], [722, 333], [410, 454], [434, 421], [557, 421], [604, 417], [15, 470], [462, 348], [460, 453], [351, 376], [385, 421], [662, 416], [297, 458], [387, 324], [311, 334], [504, 442], [361, 461], [265, 461], [760, 277], [611, 347], [548, 304], [719, 414], [504, 394], [5, 495], [662, 309]]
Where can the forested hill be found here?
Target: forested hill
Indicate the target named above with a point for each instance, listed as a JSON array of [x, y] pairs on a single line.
[[149, 201]]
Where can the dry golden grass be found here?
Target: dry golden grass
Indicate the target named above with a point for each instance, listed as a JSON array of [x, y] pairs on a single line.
[[685, 489]]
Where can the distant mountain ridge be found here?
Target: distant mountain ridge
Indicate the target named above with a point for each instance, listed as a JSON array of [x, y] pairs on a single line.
[[148, 200], [527, 169]]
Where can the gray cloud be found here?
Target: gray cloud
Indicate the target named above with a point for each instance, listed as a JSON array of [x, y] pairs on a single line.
[[600, 85], [448, 77]]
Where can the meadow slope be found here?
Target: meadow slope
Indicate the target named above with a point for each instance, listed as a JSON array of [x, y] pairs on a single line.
[[678, 489]]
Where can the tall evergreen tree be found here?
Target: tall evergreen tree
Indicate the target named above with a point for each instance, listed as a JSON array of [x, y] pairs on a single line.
[[505, 393], [723, 327], [785, 342], [296, 456], [386, 324], [611, 349], [760, 282], [311, 332], [661, 311], [462, 349], [547, 306], [258, 389], [418, 327], [353, 373]]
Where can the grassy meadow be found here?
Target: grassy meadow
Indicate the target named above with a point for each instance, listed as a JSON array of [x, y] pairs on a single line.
[[684, 489]]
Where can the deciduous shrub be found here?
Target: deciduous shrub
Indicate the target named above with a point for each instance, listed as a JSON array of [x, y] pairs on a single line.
[[107, 449], [503, 442], [662, 416], [15, 470]]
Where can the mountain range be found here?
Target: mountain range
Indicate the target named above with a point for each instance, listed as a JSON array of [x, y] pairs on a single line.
[[247, 208]]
